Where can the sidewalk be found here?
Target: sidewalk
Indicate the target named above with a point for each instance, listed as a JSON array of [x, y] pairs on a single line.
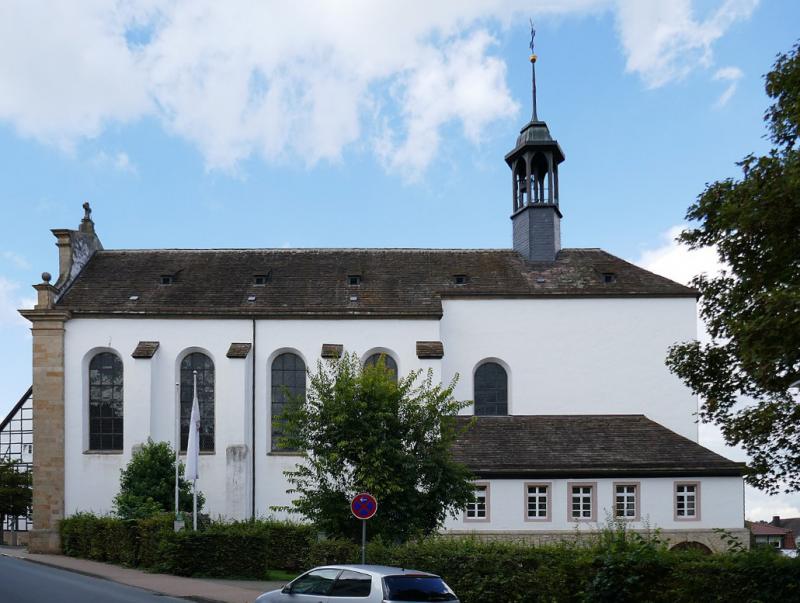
[[223, 591]]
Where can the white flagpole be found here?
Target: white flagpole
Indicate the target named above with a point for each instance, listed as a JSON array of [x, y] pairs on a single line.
[[177, 447], [193, 450]]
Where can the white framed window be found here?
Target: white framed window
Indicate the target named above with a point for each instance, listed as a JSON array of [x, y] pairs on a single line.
[[581, 500], [537, 501], [478, 509], [626, 501], [687, 501]]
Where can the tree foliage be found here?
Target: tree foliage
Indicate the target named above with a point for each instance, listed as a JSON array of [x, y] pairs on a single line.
[[147, 484], [15, 491], [365, 433], [752, 309]]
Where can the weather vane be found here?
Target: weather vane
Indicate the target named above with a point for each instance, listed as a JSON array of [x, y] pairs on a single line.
[[533, 34]]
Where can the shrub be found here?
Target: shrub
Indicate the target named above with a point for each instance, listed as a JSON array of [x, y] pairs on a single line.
[[617, 566]]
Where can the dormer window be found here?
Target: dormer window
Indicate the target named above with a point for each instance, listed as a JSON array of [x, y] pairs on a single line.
[[260, 279], [353, 280], [167, 279], [460, 279], [609, 277]]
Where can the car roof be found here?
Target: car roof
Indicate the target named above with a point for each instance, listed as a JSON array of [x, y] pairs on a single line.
[[379, 570]]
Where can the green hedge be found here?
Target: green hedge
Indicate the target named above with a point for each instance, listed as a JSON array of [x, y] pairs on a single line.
[[618, 568]]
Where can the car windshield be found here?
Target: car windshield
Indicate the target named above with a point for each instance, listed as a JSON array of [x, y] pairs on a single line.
[[417, 588]]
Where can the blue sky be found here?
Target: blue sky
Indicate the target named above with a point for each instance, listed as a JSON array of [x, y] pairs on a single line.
[[366, 125]]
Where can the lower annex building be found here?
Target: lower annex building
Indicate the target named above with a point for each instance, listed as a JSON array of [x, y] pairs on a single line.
[[561, 350]]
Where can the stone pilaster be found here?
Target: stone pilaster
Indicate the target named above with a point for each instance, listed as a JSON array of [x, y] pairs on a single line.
[[48, 427]]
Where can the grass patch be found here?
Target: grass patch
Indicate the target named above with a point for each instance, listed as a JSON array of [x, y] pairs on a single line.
[[278, 575]]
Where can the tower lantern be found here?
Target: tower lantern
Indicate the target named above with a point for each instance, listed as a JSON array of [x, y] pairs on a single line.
[[534, 161]]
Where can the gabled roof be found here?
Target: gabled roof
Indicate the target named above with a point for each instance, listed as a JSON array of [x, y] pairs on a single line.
[[15, 409], [313, 282], [582, 446]]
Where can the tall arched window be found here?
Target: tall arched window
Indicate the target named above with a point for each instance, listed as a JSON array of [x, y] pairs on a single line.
[[105, 402], [388, 362], [288, 383], [197, 361], [491, 390]]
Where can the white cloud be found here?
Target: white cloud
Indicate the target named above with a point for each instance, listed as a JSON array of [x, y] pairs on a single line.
[[677, 262], [119, 161], [664, 41], [732, 75], [305, 80], [11, 300], [19, 261]]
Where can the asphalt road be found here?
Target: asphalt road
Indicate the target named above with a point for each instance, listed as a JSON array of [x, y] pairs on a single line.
[[25, 582]]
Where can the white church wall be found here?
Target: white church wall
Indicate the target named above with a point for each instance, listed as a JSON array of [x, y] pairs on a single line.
[[92, 479], [576, 356], [305, 337], [721, 505]]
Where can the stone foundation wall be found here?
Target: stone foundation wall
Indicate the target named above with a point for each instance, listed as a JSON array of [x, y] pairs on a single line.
[[715, 541], [22, 538]]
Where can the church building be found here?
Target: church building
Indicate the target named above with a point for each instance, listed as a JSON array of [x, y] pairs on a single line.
[[561, 351]]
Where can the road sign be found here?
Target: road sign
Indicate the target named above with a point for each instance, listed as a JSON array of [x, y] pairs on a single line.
[[364, 506]]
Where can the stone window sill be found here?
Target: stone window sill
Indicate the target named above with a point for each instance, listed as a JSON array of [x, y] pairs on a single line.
[[102, 452], [284, 453]]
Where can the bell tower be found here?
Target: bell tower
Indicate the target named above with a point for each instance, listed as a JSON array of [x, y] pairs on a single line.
[[534, 161]]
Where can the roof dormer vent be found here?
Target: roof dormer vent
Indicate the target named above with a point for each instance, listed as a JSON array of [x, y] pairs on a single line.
[[460, 279], [353, 280], [609, 277], [167, 279]]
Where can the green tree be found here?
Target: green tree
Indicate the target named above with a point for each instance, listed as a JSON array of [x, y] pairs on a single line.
[[147, 484], [364, 432], [15, 491], [752, 310]]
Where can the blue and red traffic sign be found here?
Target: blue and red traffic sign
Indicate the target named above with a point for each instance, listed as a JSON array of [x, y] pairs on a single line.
[[364, 506]]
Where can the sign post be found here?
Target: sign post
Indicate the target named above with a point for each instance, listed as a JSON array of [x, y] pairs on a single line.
[[364, 506]]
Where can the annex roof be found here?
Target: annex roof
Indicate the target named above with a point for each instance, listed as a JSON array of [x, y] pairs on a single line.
[[761, 528], [582, 446], [315, 283]]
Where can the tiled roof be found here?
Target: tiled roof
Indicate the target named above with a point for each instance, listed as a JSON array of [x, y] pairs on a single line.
[[582, 446], [764, 529], [145, 349], [430, 349], [313, 282], [238, 350], [332, 350]]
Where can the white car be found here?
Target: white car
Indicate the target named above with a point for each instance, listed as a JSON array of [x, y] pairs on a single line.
[[362, 584]]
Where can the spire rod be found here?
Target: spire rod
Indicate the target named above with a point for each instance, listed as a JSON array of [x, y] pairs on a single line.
[[534, 117]]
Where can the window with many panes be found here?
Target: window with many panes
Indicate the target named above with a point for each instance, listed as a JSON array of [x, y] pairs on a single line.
[[582, 502], [537, 501], [687, 504], [204, 366], [288, 384], [626, 501], [478, 509], [388, 362], [491, 389], [105, 402]]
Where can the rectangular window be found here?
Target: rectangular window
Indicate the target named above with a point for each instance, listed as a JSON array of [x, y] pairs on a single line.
[[581, 502], [478, 509], [537, 502], [626, 501], [687, 500]]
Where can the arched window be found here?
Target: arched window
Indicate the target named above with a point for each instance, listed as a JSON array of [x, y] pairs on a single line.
[[105, 402], [197, 361], [388, 362], [491, 390], [288, 383]]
